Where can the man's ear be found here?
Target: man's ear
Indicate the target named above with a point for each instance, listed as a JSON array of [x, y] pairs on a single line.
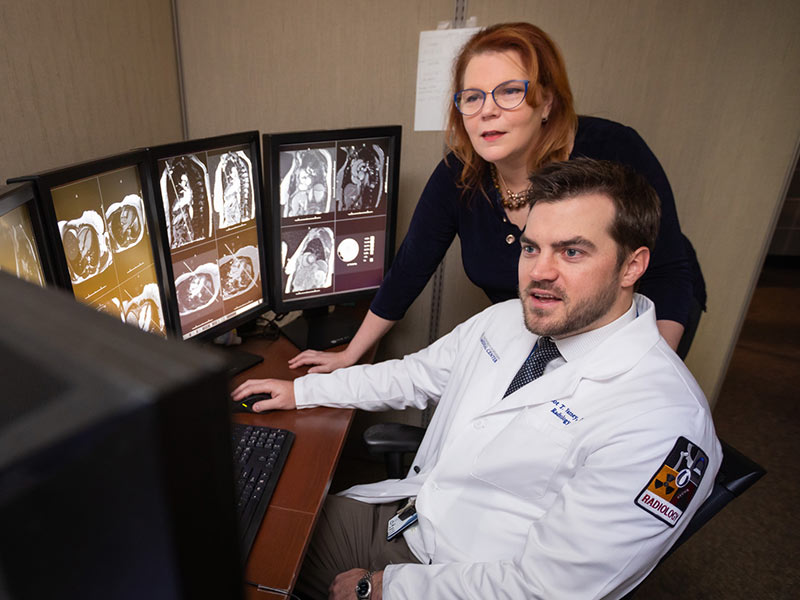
[[635, 266]]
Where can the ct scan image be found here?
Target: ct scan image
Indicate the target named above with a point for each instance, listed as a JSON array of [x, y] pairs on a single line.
[[144, 310], [306, 182], [234, 199], [86, 246], [361, 176], [126, 222], [197, 289], [239, 272], [185, 192], [18, 254], [311, 265]]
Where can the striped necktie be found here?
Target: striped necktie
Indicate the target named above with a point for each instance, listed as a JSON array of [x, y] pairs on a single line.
[[543, 352]]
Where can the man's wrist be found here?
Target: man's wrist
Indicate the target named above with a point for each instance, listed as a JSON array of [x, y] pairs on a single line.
[[364, 586]]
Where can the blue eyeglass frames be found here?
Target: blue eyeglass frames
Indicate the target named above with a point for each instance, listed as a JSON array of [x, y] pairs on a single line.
[[507, 95]]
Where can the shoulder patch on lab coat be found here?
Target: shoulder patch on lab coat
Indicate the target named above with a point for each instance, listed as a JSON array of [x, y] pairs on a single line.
[[675, 483]]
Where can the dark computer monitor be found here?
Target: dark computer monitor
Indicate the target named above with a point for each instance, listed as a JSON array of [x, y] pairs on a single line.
[[116, 475], [333, 199], [24, 250], [98, 218], [209, 196]]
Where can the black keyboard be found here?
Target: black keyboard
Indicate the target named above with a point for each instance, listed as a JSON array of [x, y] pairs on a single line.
[[259, 454]]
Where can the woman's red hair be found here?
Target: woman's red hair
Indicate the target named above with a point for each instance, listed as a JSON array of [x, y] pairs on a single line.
[[542, 60]]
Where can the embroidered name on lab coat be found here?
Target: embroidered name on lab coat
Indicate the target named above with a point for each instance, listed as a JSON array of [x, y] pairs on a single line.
[[564, 413], [487, 347]]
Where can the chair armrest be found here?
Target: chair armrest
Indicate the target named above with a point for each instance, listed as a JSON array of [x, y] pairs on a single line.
[[393, 441], [393, 437]]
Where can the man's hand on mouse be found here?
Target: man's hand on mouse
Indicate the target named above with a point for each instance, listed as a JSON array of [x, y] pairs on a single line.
[[282, 394]]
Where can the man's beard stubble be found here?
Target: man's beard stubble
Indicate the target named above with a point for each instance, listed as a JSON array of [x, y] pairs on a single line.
[[577, 317]]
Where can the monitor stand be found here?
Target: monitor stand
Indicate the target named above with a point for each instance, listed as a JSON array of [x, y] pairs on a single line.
[[318, 329], [238, 360]]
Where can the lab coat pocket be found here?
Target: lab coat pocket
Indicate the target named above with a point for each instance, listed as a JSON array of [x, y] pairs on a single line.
[[524, 456]]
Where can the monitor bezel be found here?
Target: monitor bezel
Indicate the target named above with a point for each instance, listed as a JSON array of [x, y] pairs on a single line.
[[156, 153], [14, 196], [45, 181], [272, 143]]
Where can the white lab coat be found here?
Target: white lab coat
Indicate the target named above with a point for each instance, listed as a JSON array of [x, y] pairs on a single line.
[[531, 496]]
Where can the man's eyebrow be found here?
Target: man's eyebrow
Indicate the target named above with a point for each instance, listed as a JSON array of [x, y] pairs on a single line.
[[576, 241]]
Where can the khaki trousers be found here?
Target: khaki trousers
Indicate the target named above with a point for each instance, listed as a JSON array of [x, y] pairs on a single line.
[[349, 535]]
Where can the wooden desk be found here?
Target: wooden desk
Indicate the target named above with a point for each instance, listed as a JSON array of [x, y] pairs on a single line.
[[320, 433]]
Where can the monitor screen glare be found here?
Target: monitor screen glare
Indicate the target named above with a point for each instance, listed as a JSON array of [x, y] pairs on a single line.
[[18, 253], [333, 212], [106, 241], [209, 204]]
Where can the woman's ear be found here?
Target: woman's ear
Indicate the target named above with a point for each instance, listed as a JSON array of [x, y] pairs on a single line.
[[547, 103]]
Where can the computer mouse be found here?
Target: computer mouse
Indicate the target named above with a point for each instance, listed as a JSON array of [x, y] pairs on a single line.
[[246, 404]]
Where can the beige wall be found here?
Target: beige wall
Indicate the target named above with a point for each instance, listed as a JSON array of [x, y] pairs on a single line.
[[309, 64], [713, 88], [82, 79]]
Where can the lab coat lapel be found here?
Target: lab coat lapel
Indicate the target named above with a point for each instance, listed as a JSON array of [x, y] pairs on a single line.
[[617, 354], [556, 384]]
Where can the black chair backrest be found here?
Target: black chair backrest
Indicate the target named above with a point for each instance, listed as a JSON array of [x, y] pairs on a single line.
[[736, 474]]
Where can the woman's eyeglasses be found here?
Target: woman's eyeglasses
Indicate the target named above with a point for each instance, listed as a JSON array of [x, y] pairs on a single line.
[[508, 95]]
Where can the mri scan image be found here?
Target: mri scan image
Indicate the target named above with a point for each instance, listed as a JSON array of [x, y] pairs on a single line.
[[360, 179], [126, 222], [311, 266], [112, 306], [185, 191], [18, 253], [144, 310], [234, 200], [239, 272], [85, 244], [197, 289], [306, 186]]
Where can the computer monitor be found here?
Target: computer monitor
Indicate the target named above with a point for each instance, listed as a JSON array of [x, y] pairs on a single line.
[[24, 251], [209, 196], [333, 198], [116, 475], [98, 218]]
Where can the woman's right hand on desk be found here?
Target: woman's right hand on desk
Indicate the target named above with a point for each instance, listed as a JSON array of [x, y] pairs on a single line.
[[323, 362], [282, 393], [372, 329]]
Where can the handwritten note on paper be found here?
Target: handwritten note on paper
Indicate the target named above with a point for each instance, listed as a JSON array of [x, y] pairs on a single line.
[[437, 51]]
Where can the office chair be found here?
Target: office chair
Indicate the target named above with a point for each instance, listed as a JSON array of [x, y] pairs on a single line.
[[736, 473]]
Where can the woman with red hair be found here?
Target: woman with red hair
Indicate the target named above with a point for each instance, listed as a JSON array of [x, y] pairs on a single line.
[[512, 113]]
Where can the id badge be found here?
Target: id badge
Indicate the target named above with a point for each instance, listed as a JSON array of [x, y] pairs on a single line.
[[404, 519]]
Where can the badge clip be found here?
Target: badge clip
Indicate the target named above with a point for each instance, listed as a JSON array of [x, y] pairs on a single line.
[[404, 519]]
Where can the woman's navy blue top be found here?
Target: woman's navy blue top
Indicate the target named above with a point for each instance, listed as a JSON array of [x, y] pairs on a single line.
[[490, 261]]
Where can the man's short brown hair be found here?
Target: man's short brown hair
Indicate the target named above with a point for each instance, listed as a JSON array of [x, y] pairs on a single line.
[[637, 207]]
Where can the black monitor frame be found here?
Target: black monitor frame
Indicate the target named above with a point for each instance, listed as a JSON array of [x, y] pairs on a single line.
[[318, 328], [116, 474], [48, 180], [17, 195], [157, 153]]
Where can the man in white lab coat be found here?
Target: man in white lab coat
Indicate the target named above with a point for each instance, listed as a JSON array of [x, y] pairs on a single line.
[[570, 485]]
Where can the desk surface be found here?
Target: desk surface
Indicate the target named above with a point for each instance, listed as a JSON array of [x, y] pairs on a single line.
[[320, 433]]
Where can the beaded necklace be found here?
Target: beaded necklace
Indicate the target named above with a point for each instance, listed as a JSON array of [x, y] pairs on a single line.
[[511, 200]]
